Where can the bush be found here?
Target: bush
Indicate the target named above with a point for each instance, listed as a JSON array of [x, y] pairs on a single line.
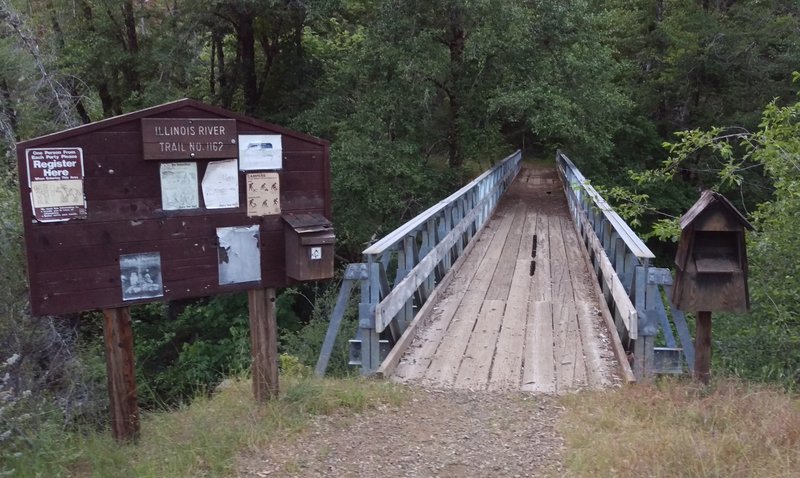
[[306, 342]]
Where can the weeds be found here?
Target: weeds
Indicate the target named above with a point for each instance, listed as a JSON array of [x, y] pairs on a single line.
[[204, 438], [677, 428]]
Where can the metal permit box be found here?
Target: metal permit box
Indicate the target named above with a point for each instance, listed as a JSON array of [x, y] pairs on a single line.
[[309, 240]]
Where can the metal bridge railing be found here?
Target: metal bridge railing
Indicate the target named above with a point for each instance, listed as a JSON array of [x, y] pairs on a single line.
[[401, 271], [632, 288]]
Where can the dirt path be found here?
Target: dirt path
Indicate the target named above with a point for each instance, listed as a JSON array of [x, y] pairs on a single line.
[[437, 433], [521, 313]]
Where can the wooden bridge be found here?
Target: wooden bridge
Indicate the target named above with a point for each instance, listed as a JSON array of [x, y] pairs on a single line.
[[524, 279]]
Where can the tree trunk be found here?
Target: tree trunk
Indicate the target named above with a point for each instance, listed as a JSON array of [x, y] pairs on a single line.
[[7, 108], [247, 53], [132, 45], [100, 82], [456, 41]]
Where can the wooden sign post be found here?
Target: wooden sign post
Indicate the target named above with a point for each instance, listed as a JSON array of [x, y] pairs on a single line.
[[264, 343], [711, 269], [121, 373], [177, 201], [702, 347]]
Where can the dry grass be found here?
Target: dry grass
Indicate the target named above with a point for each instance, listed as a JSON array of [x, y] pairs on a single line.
[[204, 438], [677, 428]]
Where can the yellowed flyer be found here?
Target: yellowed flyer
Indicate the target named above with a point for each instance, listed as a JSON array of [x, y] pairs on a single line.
[[263, 194]]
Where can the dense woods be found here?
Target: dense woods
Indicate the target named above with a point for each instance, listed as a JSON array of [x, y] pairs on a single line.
[[416, 97]]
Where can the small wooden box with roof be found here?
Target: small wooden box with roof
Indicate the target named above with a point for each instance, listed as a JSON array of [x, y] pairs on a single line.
[[712, 258]]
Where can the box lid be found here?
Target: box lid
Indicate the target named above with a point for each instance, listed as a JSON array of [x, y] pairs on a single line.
[[307, 222]]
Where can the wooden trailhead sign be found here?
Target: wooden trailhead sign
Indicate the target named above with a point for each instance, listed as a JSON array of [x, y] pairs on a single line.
[[177, 201]]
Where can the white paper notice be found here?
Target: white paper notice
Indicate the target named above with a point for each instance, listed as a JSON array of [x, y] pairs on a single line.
[[55, 176], [260, 151], [238, 254], [221, 184], [179, 186]]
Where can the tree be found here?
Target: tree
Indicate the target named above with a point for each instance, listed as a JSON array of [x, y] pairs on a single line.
[[762, 344], [697, 64], [412, 85]]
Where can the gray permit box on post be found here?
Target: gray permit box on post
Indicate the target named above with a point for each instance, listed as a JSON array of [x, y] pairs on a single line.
[[309, 240]]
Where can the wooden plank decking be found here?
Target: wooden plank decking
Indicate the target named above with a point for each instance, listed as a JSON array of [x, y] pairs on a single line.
[[521, 313]]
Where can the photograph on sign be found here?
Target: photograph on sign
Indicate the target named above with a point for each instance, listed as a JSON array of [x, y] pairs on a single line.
[[179, 186], [263, 194], [55, 176], [140, 276], [239, 254], [221, 184], [260, 151]]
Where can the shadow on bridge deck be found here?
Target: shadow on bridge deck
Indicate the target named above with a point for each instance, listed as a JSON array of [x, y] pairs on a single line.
[[521, 313]]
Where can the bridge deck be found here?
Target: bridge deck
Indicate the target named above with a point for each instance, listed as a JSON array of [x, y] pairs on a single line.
[[521, 312]]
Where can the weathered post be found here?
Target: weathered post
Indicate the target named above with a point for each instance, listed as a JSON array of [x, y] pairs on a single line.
[[121, 373], [711, 269], [264, 343], [702, 347]]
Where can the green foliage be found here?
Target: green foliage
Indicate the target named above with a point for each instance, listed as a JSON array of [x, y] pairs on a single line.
[[559, 79], [186, 349], [763, 343], [12, 421], [409, 84], [698, 64], [304, 345], [49, 383], [12, 265]]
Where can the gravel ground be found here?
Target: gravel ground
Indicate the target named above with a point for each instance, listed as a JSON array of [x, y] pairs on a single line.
[[436, 433]]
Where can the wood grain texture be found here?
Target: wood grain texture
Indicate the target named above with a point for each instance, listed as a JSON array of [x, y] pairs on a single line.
[[501, 281], [73, 266], [477, 362], [447, 360], [616, 343], [702, 348], [542, 290], [537, 345], [507, 366], [121, 373], [462, 267], [586, 306], [416, 364], [263, 343], [539, 374]]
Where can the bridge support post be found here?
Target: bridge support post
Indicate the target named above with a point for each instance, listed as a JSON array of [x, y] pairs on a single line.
[[352, 275], [647, 324], [370, 338]]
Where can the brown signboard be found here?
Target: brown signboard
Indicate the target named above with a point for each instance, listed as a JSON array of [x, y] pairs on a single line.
[[163, 230], [192, 138], [55, 178]]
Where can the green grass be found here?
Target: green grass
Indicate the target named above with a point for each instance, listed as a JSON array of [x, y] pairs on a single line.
[[204, 438], [678, 428]]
